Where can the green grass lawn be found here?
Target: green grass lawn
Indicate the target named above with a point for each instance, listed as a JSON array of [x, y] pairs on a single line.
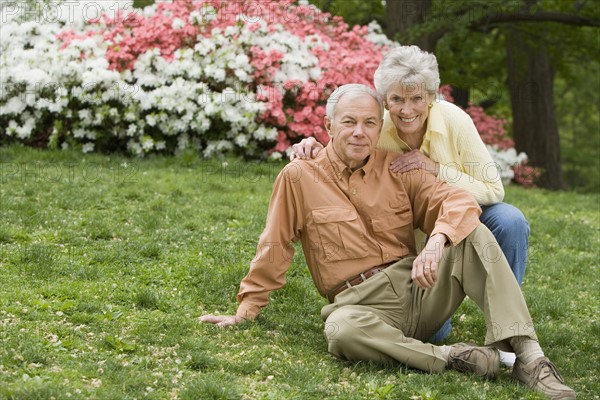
[[106, 263]]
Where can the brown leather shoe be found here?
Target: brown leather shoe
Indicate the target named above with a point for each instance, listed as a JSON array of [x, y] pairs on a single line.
[[481, 361], [542, 375]]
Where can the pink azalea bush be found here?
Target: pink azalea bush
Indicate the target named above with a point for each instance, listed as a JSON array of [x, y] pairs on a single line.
[[491, 129], [526, 175], [211, 75]]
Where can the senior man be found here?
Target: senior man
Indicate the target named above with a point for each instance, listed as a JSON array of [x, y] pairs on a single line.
[[355, 220]]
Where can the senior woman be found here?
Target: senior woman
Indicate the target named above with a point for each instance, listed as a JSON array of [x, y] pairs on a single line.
[[440, 138]]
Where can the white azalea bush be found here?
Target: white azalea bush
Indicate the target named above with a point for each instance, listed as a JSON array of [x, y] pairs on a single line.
[[155, 105], [188, 74], [506, 160]]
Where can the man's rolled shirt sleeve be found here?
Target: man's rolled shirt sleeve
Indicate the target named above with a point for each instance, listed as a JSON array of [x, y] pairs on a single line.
[[274, 251]]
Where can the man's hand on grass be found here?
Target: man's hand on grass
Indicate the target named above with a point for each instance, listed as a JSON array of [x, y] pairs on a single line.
[[222, 321]]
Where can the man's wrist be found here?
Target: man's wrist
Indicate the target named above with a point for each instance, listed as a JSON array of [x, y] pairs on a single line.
[[440, 238]]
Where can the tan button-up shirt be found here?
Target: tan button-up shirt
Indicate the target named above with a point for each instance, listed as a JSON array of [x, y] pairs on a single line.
[[349, 222]]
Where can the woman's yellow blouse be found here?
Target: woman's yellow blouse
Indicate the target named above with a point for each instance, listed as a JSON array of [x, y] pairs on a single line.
[[453, 142]]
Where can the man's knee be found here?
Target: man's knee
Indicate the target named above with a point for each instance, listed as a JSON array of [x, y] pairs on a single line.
[[479, 246], [342, 329]]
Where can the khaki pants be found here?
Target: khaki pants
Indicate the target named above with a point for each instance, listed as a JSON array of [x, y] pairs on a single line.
[[387, 317]]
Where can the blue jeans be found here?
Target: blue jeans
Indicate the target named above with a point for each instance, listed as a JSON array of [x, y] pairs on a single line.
[[511, 229]]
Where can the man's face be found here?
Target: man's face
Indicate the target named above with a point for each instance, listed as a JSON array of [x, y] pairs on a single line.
[[355, 128]]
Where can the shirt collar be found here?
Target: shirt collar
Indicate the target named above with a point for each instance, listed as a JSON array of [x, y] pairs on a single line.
[[435, 120], [339, 167]]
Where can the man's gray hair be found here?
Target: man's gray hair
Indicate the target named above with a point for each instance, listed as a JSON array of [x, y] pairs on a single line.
[[354, 89], [407, 65]]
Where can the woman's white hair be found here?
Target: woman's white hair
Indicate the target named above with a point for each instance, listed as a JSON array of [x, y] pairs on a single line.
[[407, 65], [353, 89]]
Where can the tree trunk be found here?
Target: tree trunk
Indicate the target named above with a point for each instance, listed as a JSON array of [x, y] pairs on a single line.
[[401, 15], [530, 81]]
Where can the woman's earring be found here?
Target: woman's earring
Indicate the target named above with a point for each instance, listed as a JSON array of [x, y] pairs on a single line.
[[385, 105], [430, 105]]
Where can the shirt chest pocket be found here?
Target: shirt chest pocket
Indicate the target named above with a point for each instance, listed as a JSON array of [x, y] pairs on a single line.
[[394, 229], [341, 233]]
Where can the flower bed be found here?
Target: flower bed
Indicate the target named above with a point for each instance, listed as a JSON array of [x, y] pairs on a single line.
[[243, 77]]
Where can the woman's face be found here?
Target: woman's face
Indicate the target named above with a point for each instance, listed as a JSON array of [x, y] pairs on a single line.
[[408, 104]]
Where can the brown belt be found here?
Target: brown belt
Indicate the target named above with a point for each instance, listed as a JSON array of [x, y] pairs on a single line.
[[357, 280]]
